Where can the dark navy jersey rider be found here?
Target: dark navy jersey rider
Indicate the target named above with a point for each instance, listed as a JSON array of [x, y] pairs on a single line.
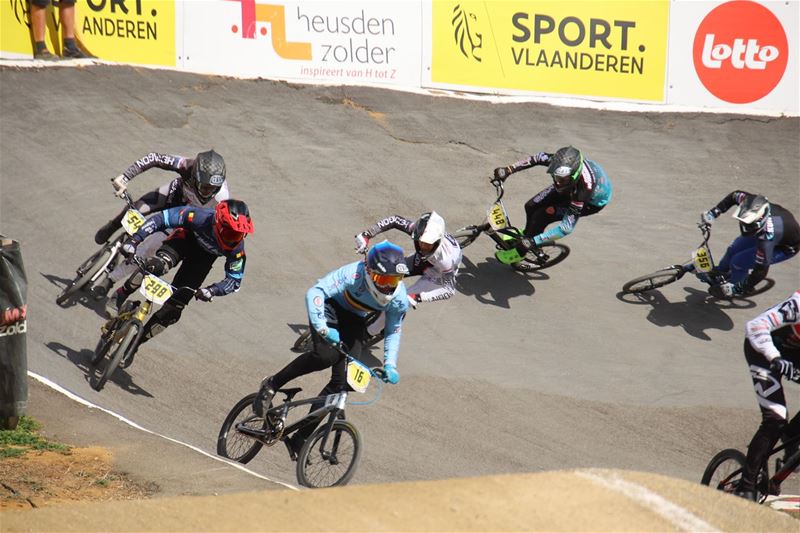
[[200, 222]]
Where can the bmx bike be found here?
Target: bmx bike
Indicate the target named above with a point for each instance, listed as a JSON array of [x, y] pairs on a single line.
[[506, 237]]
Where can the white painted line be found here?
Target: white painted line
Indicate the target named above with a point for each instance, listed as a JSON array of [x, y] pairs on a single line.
[[677, 515], [73, 396]]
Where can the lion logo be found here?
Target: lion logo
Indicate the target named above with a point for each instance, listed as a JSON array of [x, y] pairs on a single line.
[[468, 40]]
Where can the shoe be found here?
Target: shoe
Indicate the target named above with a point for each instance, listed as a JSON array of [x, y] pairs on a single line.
[[264, 397], [746, 494], [104, 233], [120, 295], [293, 446], [45, 55], [74, 53], [100, 290]]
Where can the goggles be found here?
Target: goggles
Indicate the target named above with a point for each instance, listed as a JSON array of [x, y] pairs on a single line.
[[385, 283], [207, 190]]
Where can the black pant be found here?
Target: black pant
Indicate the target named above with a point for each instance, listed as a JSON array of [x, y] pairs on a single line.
[[352, 331], [773, 424], [550, 206]]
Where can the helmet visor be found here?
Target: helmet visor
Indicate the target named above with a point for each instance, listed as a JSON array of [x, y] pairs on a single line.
[[752, 228], [231, 236], [385, 283], [207, 190], [562, 183]]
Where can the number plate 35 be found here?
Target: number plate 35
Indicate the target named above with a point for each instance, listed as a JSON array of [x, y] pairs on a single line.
[[155, 289], [497, 216], [132, 221], [358, 376], [702, 259]]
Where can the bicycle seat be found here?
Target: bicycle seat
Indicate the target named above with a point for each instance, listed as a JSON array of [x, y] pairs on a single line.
[[290, 393]]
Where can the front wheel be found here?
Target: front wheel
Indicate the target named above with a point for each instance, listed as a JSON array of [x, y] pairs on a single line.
[[724, 471], [466, 236], [125, 340], [657, 279], [547, 255], [85, 273], [236, 445], [336, 463]]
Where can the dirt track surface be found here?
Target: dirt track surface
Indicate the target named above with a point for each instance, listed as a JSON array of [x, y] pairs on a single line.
[[517, 374]]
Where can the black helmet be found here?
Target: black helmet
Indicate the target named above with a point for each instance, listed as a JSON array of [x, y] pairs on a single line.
[[752, 214], [208, 174], [565, 167]]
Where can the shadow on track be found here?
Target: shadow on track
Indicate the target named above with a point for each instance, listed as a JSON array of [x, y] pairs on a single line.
[[82, 360], [82, 297], [494, 283], [698, 313]]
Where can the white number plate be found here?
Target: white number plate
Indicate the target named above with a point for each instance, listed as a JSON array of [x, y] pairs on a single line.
[[155, 289], [132, 221], [358, 376]]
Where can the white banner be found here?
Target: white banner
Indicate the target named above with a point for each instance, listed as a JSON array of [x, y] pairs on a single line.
[[325, 40], [741, 55]]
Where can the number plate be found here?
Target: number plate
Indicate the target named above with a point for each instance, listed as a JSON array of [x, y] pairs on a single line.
[[155, 289], [497, 216], [702, 259], [132, 221], [358, 376]]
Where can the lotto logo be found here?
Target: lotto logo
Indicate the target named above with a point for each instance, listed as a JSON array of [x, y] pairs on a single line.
[[740, 51]]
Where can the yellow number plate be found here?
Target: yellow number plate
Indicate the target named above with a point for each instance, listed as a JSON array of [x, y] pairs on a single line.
[[497, 217], [132, 221], [155, 289], [701, 259], [358, 376]]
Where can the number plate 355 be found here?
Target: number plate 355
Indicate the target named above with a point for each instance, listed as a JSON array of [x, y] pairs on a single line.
[[155, 289], [702, 259]]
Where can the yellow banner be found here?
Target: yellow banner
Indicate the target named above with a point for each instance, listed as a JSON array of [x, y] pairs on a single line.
[[129, 31], [614, 49]]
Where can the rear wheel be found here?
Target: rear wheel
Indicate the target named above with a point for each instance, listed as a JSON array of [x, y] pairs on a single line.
[[122, 343], [657, 279], [549, 254], [466, 236], [334, 465], [85, 273], [233, 444]]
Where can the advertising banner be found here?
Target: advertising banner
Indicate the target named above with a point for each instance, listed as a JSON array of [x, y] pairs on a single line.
[[128, 31], [738, 54], [335, 41], [609, 49]]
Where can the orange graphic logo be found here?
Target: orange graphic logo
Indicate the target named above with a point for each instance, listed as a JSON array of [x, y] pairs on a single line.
[[740, 51], [274, 15]]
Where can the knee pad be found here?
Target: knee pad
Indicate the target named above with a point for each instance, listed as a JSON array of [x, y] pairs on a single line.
[[168, 257], [156, 265]]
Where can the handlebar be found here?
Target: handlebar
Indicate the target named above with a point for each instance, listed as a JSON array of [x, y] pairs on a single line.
[[498, 187], [705, 229]]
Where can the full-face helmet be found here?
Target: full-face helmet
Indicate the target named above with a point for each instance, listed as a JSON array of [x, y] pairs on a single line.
[[208, 174], [385, 268], [231, 223], [752, 214], [565, 167], [428, 233]]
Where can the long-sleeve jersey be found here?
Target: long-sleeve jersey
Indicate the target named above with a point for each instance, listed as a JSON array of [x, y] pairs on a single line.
[[200, 222], [776, 328], [593, 188], [177, 192], [441, 267], [347, 286], [781, 229]]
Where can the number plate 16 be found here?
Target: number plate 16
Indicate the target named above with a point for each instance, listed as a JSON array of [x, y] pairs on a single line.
[[155, 289], [132, 221], [358, 376]]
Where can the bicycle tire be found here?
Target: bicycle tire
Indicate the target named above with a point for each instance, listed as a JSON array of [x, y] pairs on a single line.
[[303, 342], [657, 279], [555, 251], [316, 472], [234, 445], [100, 351], [123, 346], [95, 263], [466, 236]]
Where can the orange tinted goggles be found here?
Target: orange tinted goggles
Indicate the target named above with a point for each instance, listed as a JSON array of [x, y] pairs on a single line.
[[386, 283]]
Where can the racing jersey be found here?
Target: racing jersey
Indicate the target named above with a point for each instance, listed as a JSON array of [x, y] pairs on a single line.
[[179, 191], [776, 328], [200, 223], [780, 230], [347, 286], [593, 188], [441, 267]]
